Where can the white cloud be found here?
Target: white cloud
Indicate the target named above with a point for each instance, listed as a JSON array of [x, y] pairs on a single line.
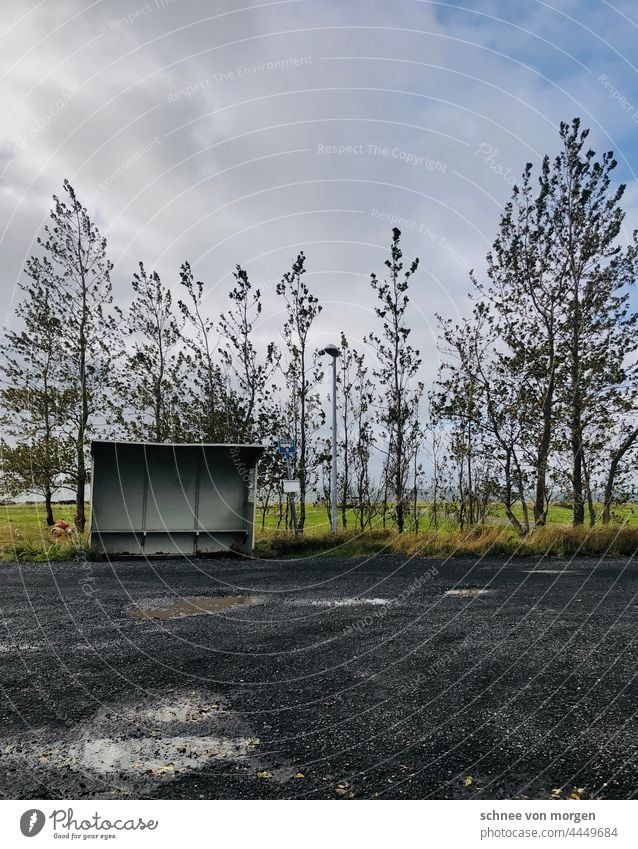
[[180, 155]]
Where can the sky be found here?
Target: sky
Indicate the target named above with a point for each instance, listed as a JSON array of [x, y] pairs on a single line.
[[230, 132]]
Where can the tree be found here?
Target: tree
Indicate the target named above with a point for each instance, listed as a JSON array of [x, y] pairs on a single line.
[[598, 328], [546, 366], [398, 366], [476, 393], [627, 441], [213, 410], [252, 374], [301, 371], [522, 303], [355, 403], [37, 467], [78, 274], [34, 400], [151, 381]]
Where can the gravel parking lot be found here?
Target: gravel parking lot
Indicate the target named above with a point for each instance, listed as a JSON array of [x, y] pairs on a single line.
[[319, 678]]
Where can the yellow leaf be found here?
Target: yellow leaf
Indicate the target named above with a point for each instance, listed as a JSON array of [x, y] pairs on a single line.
[[299, 775], [467, 781], [344, 788], [574, 796], [264, 774]]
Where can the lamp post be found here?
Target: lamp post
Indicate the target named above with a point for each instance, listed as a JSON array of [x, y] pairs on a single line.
[[333, 351]]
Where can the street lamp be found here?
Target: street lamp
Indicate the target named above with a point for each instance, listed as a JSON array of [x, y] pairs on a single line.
[[333, 351]]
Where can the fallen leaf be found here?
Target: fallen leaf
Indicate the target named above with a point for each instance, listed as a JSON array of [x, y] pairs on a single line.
[[345, 788], [574, 796], [299, 775], [264, 774], [467, 781]]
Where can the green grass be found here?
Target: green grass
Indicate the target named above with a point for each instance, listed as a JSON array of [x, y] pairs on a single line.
[[24, 535], [560, 540], [317, 518]]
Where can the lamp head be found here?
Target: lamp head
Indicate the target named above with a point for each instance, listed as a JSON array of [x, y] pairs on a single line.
[[331, 349]]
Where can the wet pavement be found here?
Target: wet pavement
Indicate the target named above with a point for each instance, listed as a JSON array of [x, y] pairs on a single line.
[[319, 678]]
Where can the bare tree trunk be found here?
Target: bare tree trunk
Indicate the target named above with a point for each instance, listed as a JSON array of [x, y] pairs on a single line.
[[590, 498], [48, 507], [616, 457], [280, 517], [80, 518], [540, 502], [264, 509], [520, 530], [576, 421]]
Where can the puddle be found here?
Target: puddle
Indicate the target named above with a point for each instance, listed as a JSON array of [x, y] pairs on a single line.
[[468, 592], [156, 756], [182, 709], [552, 572], [159, 740], [167, 608]]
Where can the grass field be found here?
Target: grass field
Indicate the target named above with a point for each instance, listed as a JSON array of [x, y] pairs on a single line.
[[24, 535]]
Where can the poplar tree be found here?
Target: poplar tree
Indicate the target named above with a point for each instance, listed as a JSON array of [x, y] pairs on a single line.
[[81, 298], [151, 379], [34, 400], [302, 372], [211, 409], [398, 365]]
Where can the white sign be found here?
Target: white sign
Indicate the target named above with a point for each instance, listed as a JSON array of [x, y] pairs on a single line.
[[291, 486]]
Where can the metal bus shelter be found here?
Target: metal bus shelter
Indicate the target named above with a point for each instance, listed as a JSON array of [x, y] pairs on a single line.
[[172, 499]]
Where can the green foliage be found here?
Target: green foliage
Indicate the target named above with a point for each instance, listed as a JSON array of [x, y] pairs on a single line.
[[302, 373], [150, 381], [545, 368], [397, 368]]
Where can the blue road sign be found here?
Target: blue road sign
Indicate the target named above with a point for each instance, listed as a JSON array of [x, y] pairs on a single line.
[[287, 447]]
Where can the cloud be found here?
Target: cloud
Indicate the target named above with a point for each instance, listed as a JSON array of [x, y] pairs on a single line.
[[244, 135]]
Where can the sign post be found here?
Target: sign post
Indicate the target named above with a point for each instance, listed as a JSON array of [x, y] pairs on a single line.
[[288, 448]]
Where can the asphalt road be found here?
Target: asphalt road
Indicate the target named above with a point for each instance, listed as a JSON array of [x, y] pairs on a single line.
[[342, 678]]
